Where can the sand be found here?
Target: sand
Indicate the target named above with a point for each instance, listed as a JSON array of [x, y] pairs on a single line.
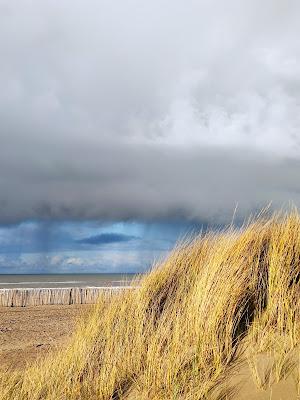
[[26, 333], [264, 385]]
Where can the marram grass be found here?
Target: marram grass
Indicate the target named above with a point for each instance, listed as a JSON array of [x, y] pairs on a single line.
[[217, 301]]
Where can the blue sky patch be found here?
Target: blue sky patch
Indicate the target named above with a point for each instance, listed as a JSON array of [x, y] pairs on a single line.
[[87, 246]]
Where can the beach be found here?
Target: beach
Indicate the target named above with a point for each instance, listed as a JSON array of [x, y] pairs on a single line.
[[38, 313], [29, 332]]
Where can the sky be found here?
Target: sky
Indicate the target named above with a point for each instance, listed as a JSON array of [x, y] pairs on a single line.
[[126, 124], [37, 247]]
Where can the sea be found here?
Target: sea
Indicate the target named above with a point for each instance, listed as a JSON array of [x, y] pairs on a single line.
[[65, 280]]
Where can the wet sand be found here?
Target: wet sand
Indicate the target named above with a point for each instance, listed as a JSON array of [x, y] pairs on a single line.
[[26, 333]]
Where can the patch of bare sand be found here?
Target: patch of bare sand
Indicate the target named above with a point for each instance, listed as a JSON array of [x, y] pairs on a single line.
[[26, 333], [267, 379]]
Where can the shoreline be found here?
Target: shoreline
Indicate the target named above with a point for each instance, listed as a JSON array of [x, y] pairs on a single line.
[[69, 287]]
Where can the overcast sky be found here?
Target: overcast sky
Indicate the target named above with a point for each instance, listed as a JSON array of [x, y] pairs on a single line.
[[147, 110]]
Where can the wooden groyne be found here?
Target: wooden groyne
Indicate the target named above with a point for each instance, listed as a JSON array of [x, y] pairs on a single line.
[[47, 296]]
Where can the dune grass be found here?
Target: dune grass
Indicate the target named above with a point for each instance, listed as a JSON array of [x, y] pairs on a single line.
[[218, 301]]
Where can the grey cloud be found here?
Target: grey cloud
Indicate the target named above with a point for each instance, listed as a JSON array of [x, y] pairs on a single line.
[[119, 110], [146, 183], [107, 238]]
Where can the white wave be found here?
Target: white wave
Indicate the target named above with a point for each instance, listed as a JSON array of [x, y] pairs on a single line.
[[72, 287], [38, 282]]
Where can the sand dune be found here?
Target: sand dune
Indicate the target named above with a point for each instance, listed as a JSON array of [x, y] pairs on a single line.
[[218, 319]]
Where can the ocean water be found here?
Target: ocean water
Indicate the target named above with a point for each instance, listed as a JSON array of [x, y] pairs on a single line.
[[64, 280]]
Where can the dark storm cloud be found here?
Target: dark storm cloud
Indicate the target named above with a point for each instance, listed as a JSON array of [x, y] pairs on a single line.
[[119, 110], [107, 238]]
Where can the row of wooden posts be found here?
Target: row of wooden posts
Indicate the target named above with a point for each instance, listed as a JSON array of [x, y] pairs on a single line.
[[48, 296]]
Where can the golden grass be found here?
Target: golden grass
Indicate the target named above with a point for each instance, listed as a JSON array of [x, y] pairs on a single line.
[[216, 301]]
